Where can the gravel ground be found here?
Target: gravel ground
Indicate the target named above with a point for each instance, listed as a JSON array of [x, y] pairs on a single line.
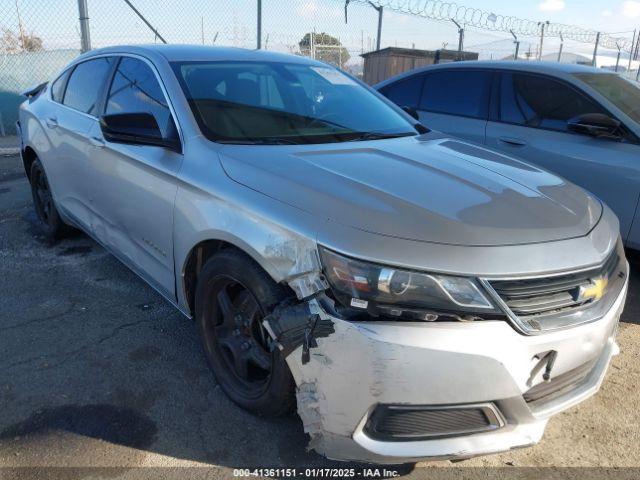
[[97, 370]]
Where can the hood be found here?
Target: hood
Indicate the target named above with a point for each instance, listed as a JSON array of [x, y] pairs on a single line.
[[424, 189]]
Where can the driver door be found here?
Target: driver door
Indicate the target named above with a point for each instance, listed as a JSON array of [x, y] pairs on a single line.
[[134, 186], [531, 124]]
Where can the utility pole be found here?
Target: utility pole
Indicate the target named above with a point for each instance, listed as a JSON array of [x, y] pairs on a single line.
[[631, 52], [595, 50], [259, 27], [561, 45], [312, 39], [380, 9], [460, 38], [619, 47], [85, 35], [542, 25], [517, 42]]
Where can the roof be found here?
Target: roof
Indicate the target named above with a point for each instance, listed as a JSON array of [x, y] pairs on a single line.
[[176, 52], [411, 52], [527, 66], [549, 68]]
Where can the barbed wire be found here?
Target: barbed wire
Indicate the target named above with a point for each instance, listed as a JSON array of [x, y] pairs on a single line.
[[486, 20]]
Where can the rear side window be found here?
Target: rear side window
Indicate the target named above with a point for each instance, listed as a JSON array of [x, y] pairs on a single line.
[[57, 88], [537, 101], [457, 92], [135, 89], [86, 83], [405, 93]]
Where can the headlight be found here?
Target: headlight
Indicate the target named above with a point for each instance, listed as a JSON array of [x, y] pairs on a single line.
[[395, 292]]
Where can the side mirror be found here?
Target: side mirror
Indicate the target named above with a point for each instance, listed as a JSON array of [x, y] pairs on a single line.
[[136, 129], [411, 111], [595, 124]]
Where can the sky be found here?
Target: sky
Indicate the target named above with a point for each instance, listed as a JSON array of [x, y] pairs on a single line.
[[610, 15], [233, 22]]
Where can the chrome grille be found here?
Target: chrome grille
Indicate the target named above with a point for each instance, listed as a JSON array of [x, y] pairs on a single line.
[[536, 296]]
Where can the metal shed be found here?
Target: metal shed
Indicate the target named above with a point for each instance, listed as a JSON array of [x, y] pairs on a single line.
[[390, 61]]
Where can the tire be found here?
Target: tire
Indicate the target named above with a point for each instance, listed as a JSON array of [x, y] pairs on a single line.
[[50, 221], [233, 294]]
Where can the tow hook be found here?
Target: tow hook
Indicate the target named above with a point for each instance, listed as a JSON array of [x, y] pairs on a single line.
[[547, 361]]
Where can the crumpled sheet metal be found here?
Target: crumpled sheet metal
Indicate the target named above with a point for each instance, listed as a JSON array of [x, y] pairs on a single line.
[[298, 261], [325, 422], [360, 365]]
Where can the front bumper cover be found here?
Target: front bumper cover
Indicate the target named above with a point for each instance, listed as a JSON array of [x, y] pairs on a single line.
[[364, 364]]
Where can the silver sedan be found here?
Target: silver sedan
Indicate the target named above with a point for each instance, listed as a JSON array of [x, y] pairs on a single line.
[[413, 295]]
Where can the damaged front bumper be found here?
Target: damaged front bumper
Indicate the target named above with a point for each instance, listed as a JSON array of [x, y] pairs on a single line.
[[442, 377]]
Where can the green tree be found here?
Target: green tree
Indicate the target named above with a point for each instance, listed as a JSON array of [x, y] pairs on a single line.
[[324, 47]]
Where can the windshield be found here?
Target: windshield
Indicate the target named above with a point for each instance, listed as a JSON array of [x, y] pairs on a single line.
[[622, 93], [281, 103]]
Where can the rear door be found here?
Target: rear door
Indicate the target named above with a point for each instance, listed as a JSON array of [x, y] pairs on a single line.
[[456, 102], [531, 123], [405, 92], [74, 108]]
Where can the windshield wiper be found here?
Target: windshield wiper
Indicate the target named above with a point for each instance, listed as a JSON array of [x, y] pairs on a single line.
[[261, 141], [362, 136]]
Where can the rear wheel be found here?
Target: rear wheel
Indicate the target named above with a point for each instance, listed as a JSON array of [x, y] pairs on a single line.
[[233, 295], [44, 205]]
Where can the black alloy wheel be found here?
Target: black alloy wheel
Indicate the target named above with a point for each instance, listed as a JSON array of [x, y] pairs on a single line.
[[233, 295], [242, 340]]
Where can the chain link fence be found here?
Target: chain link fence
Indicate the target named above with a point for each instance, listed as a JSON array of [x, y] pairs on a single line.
[[38, 38]]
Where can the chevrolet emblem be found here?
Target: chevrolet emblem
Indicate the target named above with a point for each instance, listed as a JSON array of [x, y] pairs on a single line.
[[594, 291]]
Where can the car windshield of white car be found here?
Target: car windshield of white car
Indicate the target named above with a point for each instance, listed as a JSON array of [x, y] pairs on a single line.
[[282, 103], [623, 93]]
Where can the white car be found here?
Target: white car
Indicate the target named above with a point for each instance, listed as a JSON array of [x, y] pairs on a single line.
[[579, 122]]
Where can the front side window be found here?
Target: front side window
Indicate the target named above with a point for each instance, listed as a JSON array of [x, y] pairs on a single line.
[[85, 85], [621, 92], [457, 92], [271, 102], [135, 89], [405, 93], [57, 88], [537, 101]]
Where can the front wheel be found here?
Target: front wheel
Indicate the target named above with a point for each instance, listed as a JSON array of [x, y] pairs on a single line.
[[233, 295], [53, 226]]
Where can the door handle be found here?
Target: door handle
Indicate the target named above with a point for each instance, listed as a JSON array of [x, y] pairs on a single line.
[[96, 141], [52, 122], [514, 142]]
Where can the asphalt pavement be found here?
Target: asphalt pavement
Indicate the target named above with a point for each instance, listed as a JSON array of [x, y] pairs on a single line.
[[97, 370]]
